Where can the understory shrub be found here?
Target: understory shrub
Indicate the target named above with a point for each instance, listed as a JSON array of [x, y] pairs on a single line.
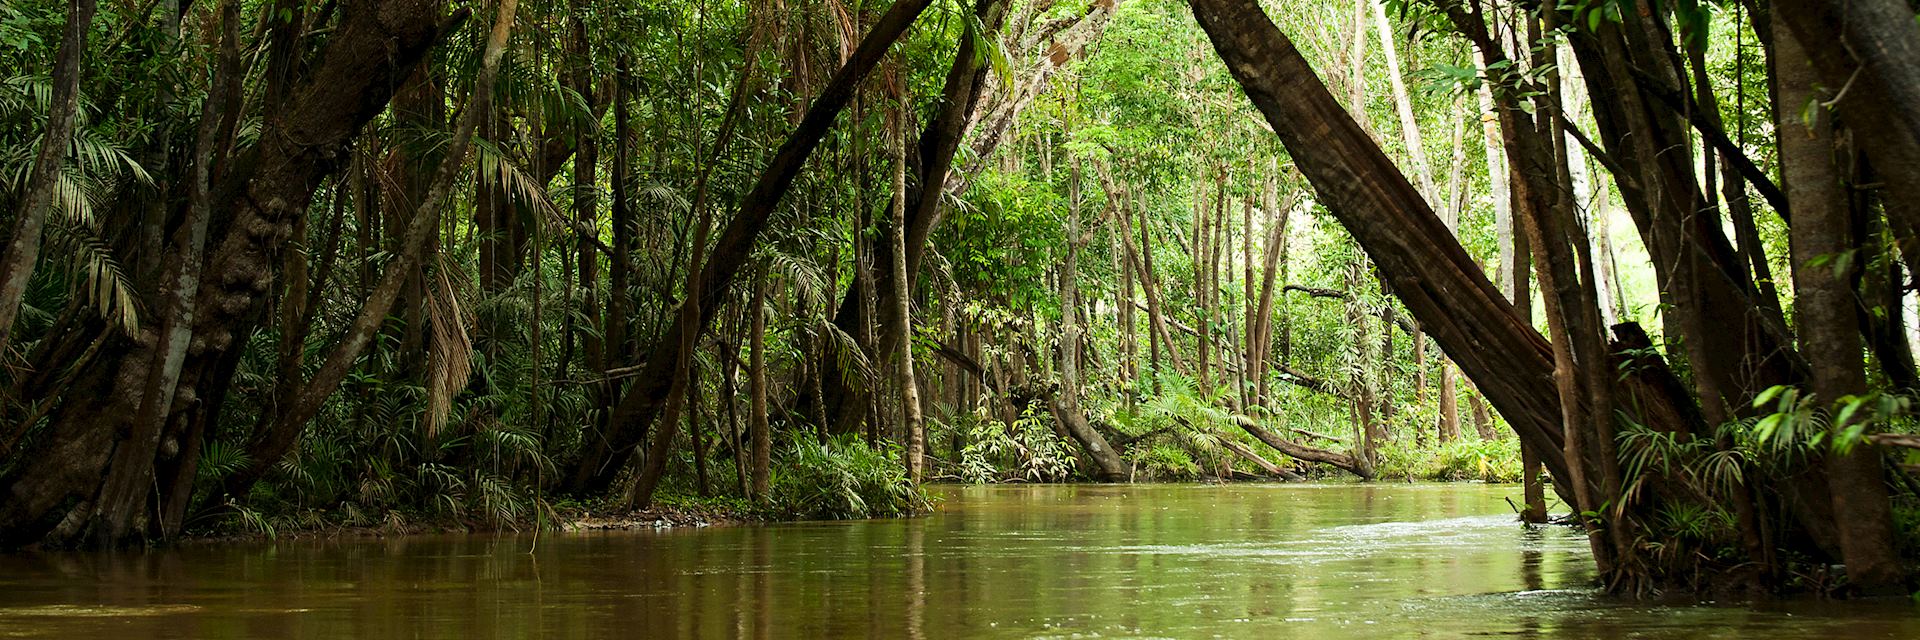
[[1461, 459], [843, 479]]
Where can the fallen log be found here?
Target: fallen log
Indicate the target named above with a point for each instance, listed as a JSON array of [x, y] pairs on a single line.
[[1298, 451], [1247, 453]]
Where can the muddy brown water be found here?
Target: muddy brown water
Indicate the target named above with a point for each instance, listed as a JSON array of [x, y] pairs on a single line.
[[1315, 561]]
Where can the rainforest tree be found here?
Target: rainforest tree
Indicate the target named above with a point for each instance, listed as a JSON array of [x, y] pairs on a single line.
[[283, 263]]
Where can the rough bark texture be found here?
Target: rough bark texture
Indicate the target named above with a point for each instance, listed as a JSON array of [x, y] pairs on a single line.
[[423, 223], [1437, 281], [1828, 335], [364, 59]]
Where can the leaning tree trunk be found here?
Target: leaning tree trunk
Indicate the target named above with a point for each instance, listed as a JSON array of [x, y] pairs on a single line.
[[23, 246], [1436, 280], [939, 142], [423, 223], [647, 396]]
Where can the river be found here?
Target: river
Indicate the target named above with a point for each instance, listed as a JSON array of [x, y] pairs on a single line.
[[1318, 561]]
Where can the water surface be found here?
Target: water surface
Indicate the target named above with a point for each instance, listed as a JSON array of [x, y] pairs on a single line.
[[1325, 562]]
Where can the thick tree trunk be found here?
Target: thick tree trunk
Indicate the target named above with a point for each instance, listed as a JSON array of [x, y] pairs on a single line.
[[130, 469], [285, 429], [1108, 466], [1436, 280], [1870, 57], [1828, 333], [351, 79]]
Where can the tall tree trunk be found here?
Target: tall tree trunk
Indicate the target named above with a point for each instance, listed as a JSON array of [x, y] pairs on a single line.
[[284, 432], [1202, 265], [760, 432], [1403, 106], [1248, 353], [693, 429], [618, 347], [1273, 271], [960, 99], [1871, 58], [130, 469], [689, 322], [1828, 333], [910, 418]]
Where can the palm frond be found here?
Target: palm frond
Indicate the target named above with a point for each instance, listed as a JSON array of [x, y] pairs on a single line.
[[105, 284], [851, 360], [449, 349]]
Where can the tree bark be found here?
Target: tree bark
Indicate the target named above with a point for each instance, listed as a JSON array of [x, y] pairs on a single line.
[[760, 432], [1828, 333], [351, 79], [130, 469], [1436, 280], [23, 246], [284, 432], [902, 316]]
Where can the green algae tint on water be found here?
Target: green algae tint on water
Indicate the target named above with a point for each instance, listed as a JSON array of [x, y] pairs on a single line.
[[1324, 562]]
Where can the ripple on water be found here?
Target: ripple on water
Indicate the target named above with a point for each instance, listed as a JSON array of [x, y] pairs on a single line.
[[96, 611]]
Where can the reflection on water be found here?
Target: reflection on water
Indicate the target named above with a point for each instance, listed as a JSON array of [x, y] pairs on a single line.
[[1311, 561]]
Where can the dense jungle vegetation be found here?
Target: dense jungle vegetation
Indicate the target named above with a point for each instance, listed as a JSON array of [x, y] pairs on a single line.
[[277, 264]]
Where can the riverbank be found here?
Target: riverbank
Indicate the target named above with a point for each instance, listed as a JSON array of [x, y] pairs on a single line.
[[671, 512]]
